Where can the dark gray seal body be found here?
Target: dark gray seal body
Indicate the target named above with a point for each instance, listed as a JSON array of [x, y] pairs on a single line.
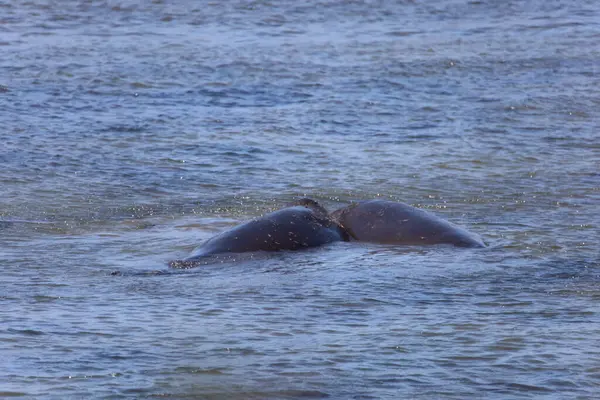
[[387, 222], [304, 224]]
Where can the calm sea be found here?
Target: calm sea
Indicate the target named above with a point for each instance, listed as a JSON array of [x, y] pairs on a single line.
[[132, 131]]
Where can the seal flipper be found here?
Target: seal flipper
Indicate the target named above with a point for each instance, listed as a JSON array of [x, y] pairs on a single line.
[[311, 205]]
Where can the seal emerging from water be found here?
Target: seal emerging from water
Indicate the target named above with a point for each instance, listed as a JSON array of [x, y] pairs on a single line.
[[387, 222], [303, 224]]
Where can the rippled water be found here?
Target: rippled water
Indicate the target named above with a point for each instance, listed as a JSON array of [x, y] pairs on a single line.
[[130, 133]]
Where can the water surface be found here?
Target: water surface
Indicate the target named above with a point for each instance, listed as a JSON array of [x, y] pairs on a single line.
[[131, 132]]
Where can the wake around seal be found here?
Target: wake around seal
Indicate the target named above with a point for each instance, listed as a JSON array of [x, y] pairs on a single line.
[[388, 222], [303, 224]]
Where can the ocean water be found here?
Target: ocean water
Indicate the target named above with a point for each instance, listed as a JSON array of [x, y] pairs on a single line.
[[132, 131]]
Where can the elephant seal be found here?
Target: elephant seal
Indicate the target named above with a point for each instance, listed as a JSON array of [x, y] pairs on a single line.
[[387, 222], [304, 223]]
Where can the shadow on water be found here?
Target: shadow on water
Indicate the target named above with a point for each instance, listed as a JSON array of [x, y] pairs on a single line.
[[179, 267], [259, 261], [7, 223]]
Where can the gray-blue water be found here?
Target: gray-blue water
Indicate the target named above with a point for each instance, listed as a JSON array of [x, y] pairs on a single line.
[[130, 132]]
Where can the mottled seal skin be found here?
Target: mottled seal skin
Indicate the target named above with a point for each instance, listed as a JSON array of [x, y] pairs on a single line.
[[387, 222], [301, 225]]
